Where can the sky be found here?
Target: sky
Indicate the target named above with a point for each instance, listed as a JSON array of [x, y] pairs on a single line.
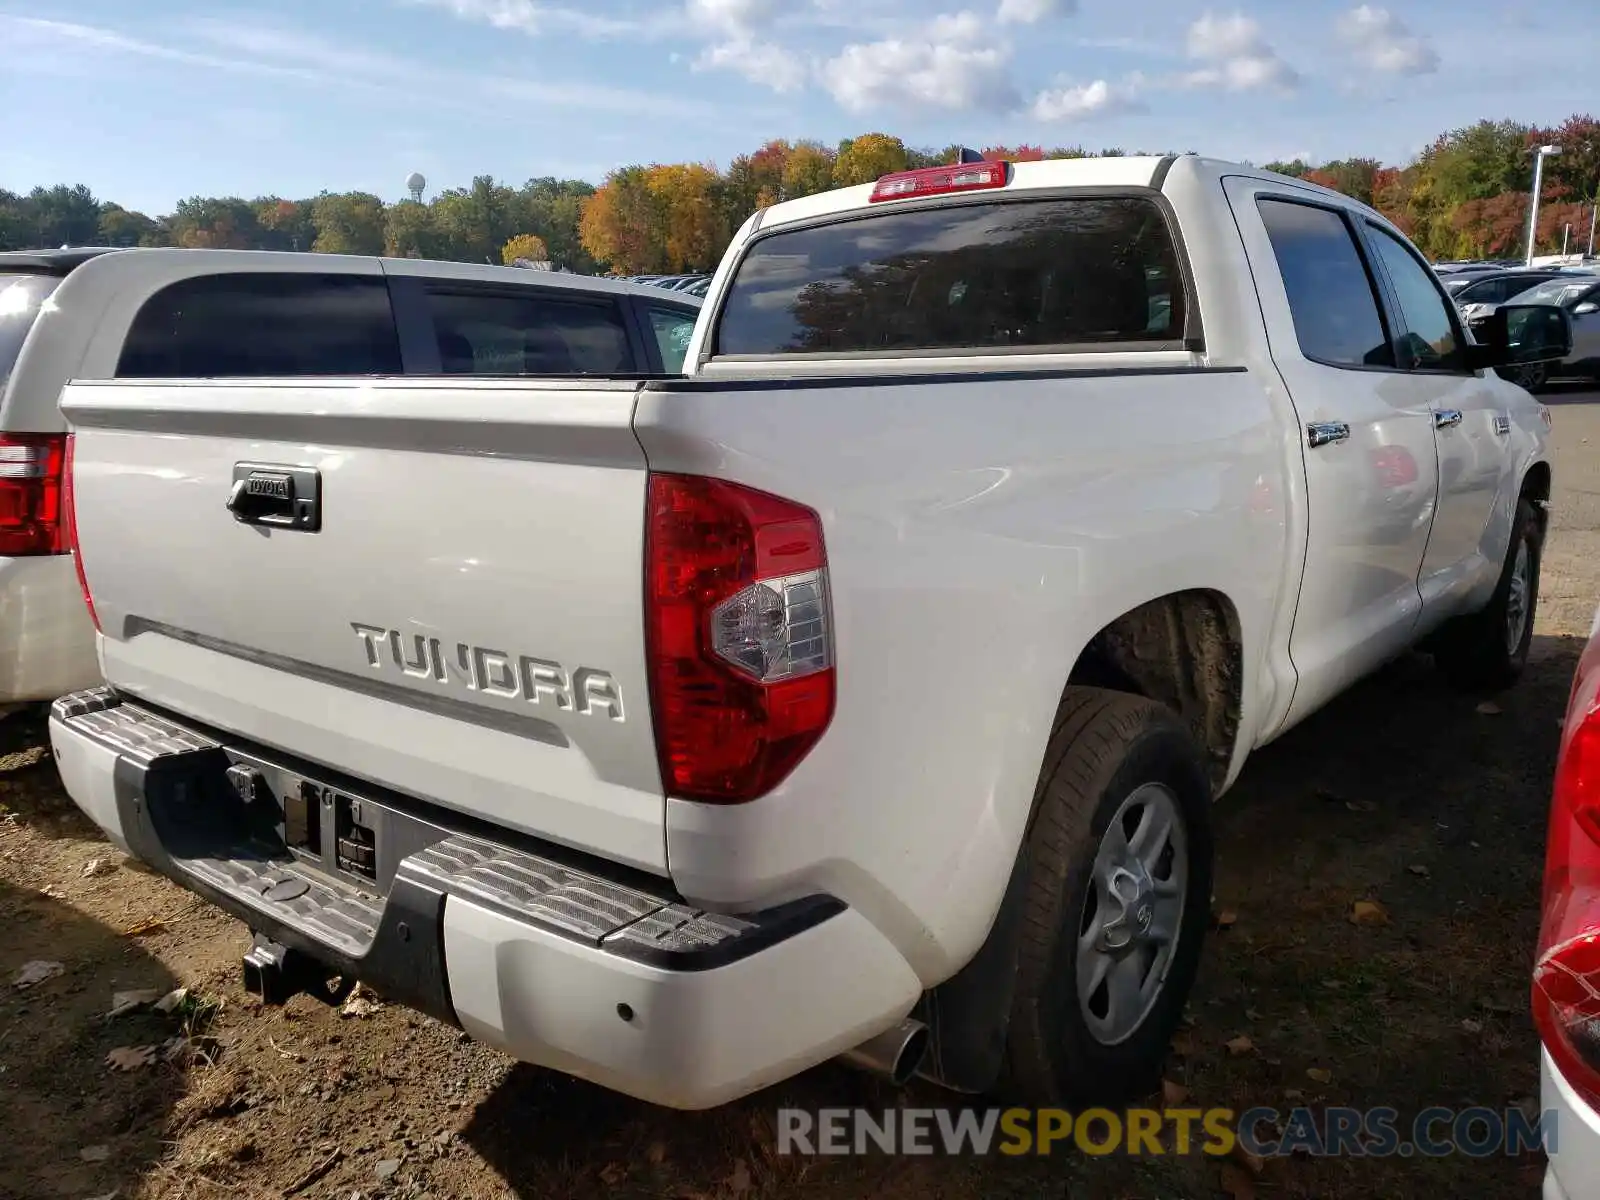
[[151, 101]]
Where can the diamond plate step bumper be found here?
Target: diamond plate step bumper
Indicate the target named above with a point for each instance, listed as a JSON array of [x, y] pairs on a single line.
[[181, 813]]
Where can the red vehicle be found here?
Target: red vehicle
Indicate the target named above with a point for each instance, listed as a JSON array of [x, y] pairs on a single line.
[[1566, 975]]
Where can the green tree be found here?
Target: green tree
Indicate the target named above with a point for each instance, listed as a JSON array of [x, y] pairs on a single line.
[[348, 223], [409, 231], [215, 223], [119, 227]]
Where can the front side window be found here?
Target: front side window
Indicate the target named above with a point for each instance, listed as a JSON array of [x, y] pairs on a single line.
[[1100, 272], [1331, 297], [672, 328], [535, 333], [1430, 342], [262, 325]]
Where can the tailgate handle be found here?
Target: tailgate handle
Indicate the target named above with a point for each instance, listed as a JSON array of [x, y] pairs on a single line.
[[277, 496]]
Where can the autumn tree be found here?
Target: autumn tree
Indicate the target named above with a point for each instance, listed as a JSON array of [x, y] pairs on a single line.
[[620, 225], [119, 227], [807, 170], [286, 224], [867, 158], [215, 223], [528, 246], [409, 231]]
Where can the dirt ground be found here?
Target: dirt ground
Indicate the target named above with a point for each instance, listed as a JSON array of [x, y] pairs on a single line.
[[1403, 793]]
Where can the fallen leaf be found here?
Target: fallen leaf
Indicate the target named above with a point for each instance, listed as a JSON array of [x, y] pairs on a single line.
[[613, 1173], [171, 1000], [95, 1153], [1420, 871], [1251, 1014], [1368, 912], [53, 891], [131, 1058], [1253, 1163], [1472, 1026], [36, 971], [1333, 985], [1319, 1074], [1238, 1183], [144, 928], [1182, 1044], [1362, 806], [1293, 1094], [657, 1153], [1173, 1094], [1240, 1046], [98, 866], [1489, 709], [386, 1168], [739, 1182], [126, 1002], [1227, 919]]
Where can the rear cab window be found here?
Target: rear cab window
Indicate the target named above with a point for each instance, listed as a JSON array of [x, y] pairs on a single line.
[[1039, 274], [672, 328], [21, 297], [264, 325]]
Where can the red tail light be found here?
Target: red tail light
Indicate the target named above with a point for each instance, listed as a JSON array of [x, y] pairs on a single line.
[[939, 181], [1566, 977], [69, 521], [740, 638], [30, 493]]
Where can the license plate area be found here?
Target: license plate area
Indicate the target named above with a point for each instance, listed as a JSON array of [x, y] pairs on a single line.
[[331, 828]]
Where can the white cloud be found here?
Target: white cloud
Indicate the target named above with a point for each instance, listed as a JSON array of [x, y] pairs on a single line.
[[760, 62], [1383, 43], [737, 17], [1239, 58], [532, 18], [1030, 12], [949, 65], [1096, 99]]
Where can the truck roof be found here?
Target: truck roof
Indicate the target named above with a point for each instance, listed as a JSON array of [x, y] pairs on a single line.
[[50, 262], [1140, 171], [166, 263]]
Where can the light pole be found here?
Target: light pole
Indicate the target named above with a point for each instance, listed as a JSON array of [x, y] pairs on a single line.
[[1538, 185]]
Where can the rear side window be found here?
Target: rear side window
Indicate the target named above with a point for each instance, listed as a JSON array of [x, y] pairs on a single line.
[[1035, 273], [264, 325], [20, 298], [672, 328], [1331, 297], [536, 333]]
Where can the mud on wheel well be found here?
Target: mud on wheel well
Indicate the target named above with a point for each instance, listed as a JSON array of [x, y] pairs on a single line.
[[1536, 487], [1183, 651]]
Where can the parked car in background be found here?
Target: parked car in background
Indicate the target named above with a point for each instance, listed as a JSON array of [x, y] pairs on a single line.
[[172, 313], [1566, 974], [1476, 293], [1578, 292]]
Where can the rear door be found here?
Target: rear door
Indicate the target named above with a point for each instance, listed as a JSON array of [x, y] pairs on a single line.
[[1367, 439], [1472, 521]]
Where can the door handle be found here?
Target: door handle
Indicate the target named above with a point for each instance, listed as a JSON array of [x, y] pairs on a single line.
[[1443, 418], [1325, 433]]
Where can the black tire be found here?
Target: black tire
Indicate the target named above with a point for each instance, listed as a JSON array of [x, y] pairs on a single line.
[[1105, 746], [1531, 377], [1480, 652]]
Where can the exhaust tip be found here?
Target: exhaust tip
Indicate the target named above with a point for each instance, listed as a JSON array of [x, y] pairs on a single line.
[[895, 1054], [910, 1056]]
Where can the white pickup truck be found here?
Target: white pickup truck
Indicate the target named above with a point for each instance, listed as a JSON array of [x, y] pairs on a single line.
[[860, 692]]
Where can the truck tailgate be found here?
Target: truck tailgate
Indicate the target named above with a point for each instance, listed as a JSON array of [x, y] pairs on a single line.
[[459, 616]]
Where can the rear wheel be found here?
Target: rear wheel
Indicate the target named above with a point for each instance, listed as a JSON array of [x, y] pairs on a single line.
[[1119, 889], [1489, 648]]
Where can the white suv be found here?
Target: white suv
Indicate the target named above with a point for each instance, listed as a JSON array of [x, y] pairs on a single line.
[[247, 313]]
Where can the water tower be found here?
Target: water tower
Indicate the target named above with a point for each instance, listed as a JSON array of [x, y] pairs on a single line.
[[414, 184]]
